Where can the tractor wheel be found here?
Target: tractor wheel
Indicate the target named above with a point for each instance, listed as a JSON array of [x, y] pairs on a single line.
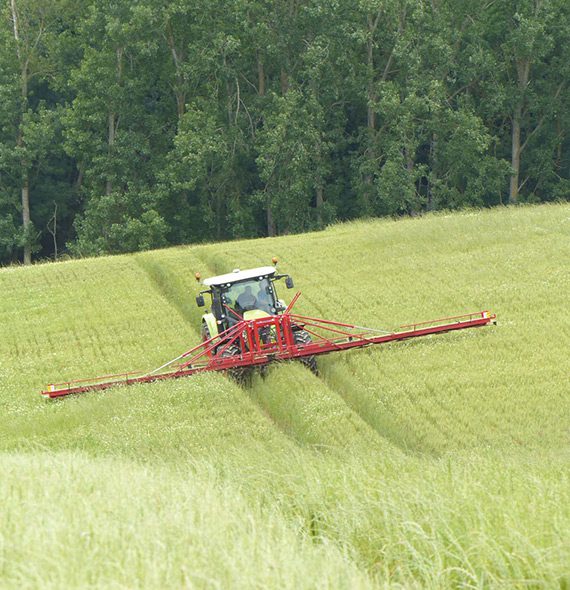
[[303, 337], [239, 374], [206, 336]]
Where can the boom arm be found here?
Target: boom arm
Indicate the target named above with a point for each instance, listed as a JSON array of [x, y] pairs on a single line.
[[328, 336]]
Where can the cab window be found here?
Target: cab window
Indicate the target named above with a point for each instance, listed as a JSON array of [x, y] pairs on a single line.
[[252, 294]]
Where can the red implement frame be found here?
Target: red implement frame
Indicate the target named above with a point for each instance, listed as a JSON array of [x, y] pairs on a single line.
[[269, 339]]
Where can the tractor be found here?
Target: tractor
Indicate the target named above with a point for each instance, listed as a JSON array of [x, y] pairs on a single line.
[[250, 327], [245, 295]]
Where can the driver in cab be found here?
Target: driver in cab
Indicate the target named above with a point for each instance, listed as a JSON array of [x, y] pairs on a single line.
[[246, 301]]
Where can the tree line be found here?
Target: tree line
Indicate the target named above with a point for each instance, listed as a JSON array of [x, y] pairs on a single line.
[[132, 124]]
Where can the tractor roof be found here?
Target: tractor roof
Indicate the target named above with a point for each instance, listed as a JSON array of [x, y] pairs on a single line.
[[240, 275]]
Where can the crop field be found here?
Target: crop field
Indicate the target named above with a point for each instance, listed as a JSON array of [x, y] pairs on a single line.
[[441, 462]]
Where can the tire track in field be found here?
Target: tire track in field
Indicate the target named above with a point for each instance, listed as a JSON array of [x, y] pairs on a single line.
[[330, 423], [290, 420], [177, 293], [212, 263], [301, 391], [168, 285], [415, 426], [369, 410], [253, 390], [304, 408]]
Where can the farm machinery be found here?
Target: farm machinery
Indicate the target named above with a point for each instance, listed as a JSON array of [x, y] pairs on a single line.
[[249, 327]]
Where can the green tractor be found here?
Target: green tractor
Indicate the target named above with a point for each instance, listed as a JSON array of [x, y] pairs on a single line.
[[245, 294]]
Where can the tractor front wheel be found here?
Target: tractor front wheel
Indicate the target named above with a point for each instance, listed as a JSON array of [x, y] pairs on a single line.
[[205, 337], [302, 337]]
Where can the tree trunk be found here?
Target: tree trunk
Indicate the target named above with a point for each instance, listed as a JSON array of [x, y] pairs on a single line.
[[284, 82], [180, 104], [515, 155], [25, 191], [229, 102], [261, 91], [112, 121], [372, 25], [560, 139], [179, 84], [260, 76], [20, 142], [523, 71], [270, 222], [218, 212], [111, 142], [78, 181], [26, 218], [371, 118], [433, 170], [319, 203], [409, 161], [53, 230]]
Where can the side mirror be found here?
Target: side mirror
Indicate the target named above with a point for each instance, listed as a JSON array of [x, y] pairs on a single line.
[[200, 301], [289, 283]]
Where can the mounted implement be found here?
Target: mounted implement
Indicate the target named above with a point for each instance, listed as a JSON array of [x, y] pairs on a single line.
[[248, 327]]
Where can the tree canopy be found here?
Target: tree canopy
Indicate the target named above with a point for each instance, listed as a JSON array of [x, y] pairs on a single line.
[[133, 124]]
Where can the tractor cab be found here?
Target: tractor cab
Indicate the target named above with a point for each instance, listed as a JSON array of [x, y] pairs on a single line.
[[241, 294]]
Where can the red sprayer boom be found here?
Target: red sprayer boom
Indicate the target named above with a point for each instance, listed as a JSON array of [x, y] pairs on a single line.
[[257, 342]]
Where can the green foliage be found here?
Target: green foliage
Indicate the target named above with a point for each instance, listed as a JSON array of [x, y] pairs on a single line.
[[125, 227], [203, 173], [250, 118], [8, 236], [290, 161]]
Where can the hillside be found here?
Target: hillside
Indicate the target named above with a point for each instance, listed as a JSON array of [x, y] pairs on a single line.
[[441, 462]]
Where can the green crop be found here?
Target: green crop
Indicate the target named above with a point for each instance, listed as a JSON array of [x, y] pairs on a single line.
[[437, 463]]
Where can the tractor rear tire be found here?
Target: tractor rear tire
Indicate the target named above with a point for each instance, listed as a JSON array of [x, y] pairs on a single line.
[[303, 337], [239, 374]]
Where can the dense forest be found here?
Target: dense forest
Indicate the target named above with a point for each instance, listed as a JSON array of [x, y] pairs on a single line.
[[131, 124]]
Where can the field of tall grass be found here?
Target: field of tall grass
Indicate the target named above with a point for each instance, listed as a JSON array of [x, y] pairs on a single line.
[[437, 463]]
